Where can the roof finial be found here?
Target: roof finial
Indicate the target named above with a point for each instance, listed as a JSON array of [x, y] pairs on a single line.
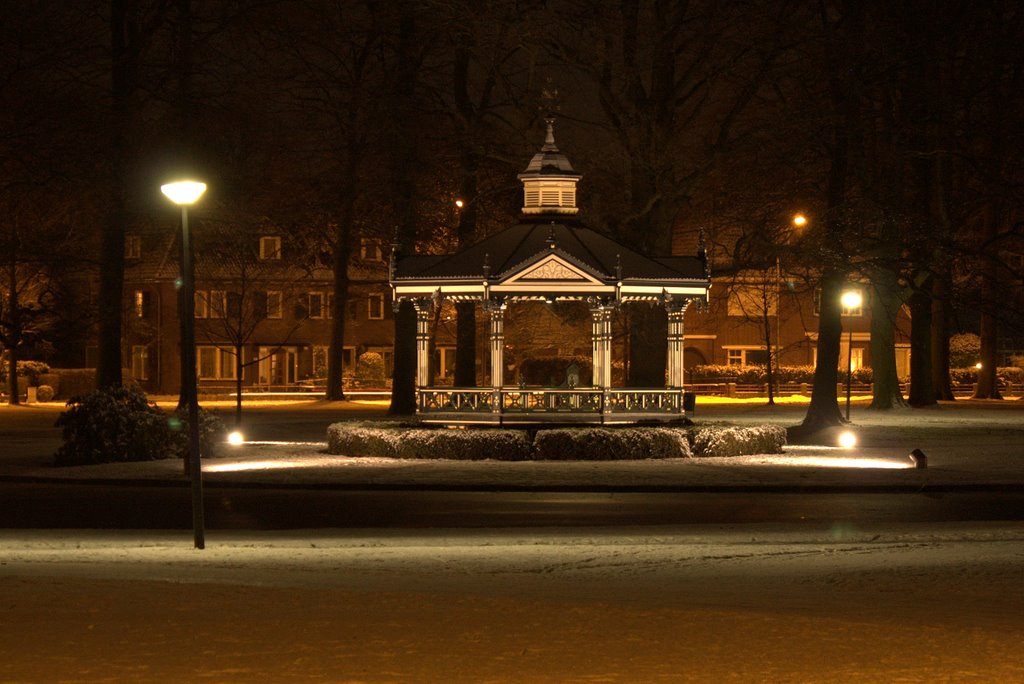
[[549, 139], [551, 236], [487, 264], [618, 267]]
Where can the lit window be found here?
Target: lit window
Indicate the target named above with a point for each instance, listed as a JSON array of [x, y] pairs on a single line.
[[270, 248], [735, 357], [141, 304], [213, 363], [369, 250], [274, 307], [315, 305], [202, 298], [140, 362], [376, 307], [218, 303], [132, 246], [747, 356]]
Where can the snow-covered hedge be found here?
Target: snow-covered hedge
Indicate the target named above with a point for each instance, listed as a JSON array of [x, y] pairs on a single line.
[[737, 441], [607, 444], [395, 440], [465, 445]]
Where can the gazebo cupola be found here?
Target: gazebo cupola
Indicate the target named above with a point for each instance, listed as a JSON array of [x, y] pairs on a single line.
[[549, 181]]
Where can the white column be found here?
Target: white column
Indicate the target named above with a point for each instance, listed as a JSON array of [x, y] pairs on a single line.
[[601, 341], [496, 309], [676, 340], [422, 342]]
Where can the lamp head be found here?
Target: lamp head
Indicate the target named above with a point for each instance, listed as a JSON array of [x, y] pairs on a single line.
[[851, 299], [183, 192]]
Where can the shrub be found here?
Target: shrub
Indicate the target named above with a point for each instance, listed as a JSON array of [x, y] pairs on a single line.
[[396, 440], [738, 441], [605, 444], [31, 370], [964, 350], [211, 433], [120, 424], [115, 424], [465, 445], [75, 381], [44, 393], [370, 370], [362, 439]]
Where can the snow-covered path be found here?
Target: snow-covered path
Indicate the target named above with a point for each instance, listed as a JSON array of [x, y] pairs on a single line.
[[742, 603]]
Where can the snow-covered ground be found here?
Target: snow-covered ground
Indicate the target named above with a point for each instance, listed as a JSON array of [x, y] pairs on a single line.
[[724, 603], [836, 602]]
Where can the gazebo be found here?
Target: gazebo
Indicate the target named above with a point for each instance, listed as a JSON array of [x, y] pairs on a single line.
[[550, 255]]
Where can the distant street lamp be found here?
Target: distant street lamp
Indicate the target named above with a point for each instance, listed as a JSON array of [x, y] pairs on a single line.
[[184, 193], [851, 300]]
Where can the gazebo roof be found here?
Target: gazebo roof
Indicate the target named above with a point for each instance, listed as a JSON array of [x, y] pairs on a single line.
[[549, 253]]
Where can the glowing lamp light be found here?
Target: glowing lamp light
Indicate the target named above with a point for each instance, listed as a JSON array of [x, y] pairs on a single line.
[[847, 440], [183, 192], [236, 438], [851, 299], [459, 203], [799, 220], [978, 365]]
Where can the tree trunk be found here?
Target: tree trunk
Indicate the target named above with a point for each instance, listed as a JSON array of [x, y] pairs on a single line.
[[886, 394], [14, 331], [940, 338], [403, 383], [922, 392], [823, 411], [335, 390], [989, 328], [239, 367]]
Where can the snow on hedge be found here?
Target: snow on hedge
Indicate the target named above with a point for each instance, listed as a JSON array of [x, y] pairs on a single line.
[[396, 440], [737, 441], [607, 444]]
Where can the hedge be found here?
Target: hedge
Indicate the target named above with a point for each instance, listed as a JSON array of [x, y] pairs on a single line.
[[396, 440]]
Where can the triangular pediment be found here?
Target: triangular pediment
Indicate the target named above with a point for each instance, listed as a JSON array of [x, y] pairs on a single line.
[[551, 269]]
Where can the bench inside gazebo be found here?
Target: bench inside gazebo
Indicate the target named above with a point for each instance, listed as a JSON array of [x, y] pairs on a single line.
[[550, 256]]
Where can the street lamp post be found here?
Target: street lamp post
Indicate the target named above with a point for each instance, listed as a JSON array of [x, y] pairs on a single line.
[[185, 193], [851, 300]]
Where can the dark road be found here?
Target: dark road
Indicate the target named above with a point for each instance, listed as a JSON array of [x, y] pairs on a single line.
[[76, 506]]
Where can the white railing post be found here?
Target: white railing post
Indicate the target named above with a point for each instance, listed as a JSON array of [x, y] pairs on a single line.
[[422, 342]]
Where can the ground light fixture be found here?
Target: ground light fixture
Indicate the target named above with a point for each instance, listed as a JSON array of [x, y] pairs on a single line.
[[847, 439], [185, 193], [236, 438], [918, 458]]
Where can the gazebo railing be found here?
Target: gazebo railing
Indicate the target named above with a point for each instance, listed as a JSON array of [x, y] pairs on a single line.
[[551, 404]]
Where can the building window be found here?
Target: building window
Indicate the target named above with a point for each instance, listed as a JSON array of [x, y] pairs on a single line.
[[369, 250], [315, 305], [319, 362], [132, 246], [202, 299], [140, 304], [274, 304], [217, 304], [270, 248], [750, 301], [746, 356], [140, 362], [215, 364], [376, 307]]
